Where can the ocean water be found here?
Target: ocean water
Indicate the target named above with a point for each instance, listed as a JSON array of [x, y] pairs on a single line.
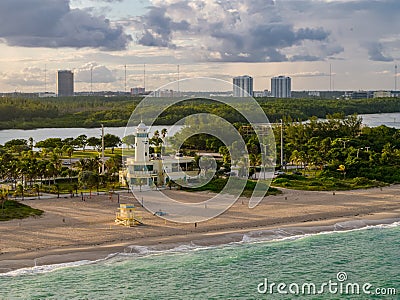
[[365, 257]]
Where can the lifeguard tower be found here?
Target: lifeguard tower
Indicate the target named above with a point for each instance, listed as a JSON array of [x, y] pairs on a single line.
[[127, 215]]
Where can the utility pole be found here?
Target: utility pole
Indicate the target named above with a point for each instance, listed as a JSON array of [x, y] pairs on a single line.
[[45, 79], [282, 143], [125, 79], [178, 82], [395, 78], [330, 77], [102, 149], [91, 80], [144, 77]]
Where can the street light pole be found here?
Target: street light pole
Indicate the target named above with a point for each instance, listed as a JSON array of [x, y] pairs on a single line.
[[102, 149], [282, 143]]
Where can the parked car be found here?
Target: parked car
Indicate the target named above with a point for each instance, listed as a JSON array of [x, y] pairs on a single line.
[[277, 173]]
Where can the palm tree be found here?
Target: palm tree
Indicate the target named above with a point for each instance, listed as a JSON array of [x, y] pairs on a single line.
[[22, 170], [37, 189], [20, 190], [58, 151], [81, 141], [88, 179], [93, 164], [41, 170], [81, 164], [113, 164], [50, 171], [31, 143], [57, 187], [255, 160], [164, 132], [55, 159], [69, 150], [3, 199]]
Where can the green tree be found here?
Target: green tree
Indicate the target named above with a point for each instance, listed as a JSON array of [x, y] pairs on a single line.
[[88, 179], [81, 141], [111, 141], [94, 142], [129, 140]]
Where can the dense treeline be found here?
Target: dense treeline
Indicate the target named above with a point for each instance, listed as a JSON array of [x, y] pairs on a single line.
[[305, 108], [30, 171], [65, 112], [341, 147], [92, 111]]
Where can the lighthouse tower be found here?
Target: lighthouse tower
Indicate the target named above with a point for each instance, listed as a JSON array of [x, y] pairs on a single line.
[[142, 143]]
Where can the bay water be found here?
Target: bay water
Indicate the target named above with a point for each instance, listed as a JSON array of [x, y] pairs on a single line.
[[371, 120]]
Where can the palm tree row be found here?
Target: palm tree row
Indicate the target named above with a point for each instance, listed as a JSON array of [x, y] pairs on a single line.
[[32, 170]]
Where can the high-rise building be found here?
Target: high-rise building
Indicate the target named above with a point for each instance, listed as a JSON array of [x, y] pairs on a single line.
[[137, 91], [65, 83], [243, 86], [281, 87]]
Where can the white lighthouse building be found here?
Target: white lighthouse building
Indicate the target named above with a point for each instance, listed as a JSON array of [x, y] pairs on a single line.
[[145, 170], [142, 144]]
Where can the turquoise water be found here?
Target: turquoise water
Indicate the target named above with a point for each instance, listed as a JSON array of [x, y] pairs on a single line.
[[234, 271]]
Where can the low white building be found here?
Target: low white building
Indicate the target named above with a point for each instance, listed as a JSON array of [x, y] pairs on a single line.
[[152, 170], [382, 94]]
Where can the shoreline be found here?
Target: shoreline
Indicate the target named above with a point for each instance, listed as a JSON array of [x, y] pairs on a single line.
[[93, 254], [80, 239]]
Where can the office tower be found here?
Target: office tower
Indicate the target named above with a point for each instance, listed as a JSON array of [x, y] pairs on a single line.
[[281, 87], [243, 86], [65, 83]]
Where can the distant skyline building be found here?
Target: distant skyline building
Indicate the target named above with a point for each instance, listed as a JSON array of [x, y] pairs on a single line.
[[281, 87], [362, 95], [137, 91], [243, 86], [65, 83]]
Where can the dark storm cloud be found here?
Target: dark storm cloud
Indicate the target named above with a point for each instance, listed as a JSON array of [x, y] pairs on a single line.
[[230, 31], [53, 24], [159, 27], [266, 30]]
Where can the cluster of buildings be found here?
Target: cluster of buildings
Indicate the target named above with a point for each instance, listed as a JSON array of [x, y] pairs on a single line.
[[371, 94], [243, 86], [281, 87]]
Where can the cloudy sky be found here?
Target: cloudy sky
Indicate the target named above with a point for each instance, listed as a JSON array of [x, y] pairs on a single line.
[[358, 39]]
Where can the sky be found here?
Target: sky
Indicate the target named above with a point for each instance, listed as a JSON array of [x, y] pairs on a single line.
[[357, 41]]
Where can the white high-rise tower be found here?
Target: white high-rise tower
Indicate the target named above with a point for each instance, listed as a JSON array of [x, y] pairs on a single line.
[[243, 86], [142, 143], [281, 87]]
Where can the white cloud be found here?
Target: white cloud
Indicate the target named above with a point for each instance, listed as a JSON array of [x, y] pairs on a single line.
[[92, 72]]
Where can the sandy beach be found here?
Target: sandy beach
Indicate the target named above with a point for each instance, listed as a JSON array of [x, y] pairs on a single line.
[[72, 230]]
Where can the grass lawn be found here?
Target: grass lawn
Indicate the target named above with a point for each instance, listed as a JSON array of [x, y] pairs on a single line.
[[89, 152], [299, 182], [16, 210], [216, 186]]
